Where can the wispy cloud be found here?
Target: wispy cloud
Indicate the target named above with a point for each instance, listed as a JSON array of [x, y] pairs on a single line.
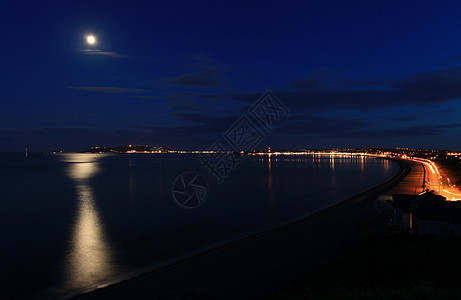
[[209, 78], [100, 52], [107, 89], [405, 119], [73, 131], [144, 97], [360, 127], [207, 73], [315, 95]]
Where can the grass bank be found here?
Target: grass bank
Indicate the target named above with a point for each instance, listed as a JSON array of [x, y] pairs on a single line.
[[451, 166], [394, 267]]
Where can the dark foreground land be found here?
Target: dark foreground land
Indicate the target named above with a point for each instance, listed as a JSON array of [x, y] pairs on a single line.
[[394, 267], [343, 243]]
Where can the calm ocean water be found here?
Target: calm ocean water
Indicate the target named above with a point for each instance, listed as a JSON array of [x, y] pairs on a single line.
[[69, 222]]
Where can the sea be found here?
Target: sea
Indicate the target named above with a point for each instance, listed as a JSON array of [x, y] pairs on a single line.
[[73, 222]]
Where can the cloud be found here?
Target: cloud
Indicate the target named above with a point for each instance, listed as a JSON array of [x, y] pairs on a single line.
[[405, 119], [100, 52], [321, 126], [357, 128], [315, 95], [432, 86], [359, 83], [107, 89], [112, 54], [410, 131], [208, 78], [310, 83], [455, 59], [208, 123], [68, 131], [202, 61], [144, 97]]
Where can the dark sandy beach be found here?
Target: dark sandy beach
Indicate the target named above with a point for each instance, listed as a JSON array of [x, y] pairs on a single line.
[[258, 266]]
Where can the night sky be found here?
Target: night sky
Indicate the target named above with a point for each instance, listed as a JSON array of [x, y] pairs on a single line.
[[178, 74]]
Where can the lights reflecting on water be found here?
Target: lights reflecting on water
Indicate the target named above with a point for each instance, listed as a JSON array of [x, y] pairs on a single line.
[[132, 181], [89, 259], [269, 184]]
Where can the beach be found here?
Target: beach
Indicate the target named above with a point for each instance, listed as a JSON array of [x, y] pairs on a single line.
[[262, 264]]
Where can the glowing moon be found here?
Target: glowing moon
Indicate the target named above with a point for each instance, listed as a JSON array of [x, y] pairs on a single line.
[[91, 39]]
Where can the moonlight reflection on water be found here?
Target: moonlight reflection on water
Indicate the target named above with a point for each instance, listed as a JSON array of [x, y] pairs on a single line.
[[90, 254]]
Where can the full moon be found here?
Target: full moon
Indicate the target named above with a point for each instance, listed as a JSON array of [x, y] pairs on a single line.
[[91, 39]]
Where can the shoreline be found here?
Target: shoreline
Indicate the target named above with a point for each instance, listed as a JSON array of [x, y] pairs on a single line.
[[130, 286]]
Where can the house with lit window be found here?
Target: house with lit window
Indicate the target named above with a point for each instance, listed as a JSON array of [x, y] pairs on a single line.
[[426, 213]]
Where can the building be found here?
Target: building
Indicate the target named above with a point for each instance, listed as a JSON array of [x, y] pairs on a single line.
[[426, 213]]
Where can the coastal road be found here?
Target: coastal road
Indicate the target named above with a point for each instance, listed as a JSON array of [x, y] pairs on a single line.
[[437, 181]]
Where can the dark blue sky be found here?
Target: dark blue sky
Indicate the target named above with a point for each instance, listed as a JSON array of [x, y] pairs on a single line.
[[179, 73]]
